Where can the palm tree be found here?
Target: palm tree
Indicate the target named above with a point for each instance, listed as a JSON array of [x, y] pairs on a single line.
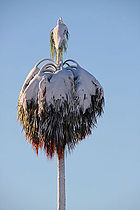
[[58, 105]]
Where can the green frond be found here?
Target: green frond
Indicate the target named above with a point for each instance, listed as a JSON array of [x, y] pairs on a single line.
[[53, 51]]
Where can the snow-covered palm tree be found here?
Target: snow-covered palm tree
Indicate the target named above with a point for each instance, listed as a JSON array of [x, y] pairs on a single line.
[[59, 104]]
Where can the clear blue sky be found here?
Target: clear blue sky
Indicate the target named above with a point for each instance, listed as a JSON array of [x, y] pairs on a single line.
[[103, 173]]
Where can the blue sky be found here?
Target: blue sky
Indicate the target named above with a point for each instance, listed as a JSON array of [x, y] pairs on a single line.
[[103, 173]]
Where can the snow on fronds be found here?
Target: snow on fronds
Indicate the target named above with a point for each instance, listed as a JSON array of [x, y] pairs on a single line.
[[86, 87], [30, 76], [58, 108]]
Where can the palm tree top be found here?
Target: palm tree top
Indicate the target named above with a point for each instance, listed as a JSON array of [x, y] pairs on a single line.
[[59, 102]]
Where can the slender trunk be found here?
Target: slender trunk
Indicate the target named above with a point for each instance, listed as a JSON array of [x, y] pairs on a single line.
[[61, 184]]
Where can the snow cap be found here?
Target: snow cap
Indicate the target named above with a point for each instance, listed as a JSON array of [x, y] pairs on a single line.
[[59, 33]]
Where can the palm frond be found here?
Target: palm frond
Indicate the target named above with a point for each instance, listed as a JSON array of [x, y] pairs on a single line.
[[52, 44], [59, 125]]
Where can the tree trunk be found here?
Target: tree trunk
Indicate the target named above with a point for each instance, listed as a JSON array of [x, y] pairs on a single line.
[[61, 184]]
